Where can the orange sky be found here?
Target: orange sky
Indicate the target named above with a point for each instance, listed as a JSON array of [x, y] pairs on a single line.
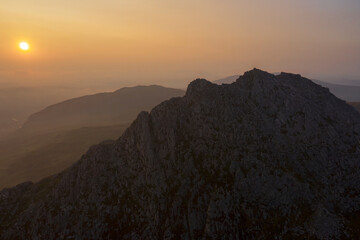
[[120, 43]]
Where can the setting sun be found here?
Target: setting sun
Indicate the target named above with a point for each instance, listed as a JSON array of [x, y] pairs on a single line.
[[24, 46]]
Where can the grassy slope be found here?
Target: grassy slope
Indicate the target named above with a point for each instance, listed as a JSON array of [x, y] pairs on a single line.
[[31, 158]]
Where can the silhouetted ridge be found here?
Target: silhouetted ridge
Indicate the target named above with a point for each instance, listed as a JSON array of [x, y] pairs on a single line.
[[198, 87], [345, 92], [257, 74], [267, 157], [292, 75], [101, 109]]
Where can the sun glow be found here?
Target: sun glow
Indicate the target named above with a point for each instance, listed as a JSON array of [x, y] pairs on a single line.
[[24, 46]]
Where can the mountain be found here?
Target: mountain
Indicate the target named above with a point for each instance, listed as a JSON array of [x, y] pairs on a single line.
[[344, 81], [266, 157], [55, 138], [17, 103], [355, 105], [345, 92], [121, 106], [35, 156]]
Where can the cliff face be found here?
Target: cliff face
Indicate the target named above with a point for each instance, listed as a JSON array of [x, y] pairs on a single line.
[[267, 157]]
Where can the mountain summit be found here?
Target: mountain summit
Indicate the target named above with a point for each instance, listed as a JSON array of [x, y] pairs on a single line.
[[266, 157]]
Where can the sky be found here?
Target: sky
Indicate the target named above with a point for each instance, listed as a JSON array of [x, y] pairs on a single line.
[[115, 43]]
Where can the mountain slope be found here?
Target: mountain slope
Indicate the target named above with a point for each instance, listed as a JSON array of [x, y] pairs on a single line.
[[55, 138], [345, 92], [267, 157], [121, 106], [16, 104]]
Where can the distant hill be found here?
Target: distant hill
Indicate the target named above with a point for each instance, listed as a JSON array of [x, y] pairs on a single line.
[[17, 103], [344, 81], [54, 138], [345, 92], [101, 109], [227, 80]]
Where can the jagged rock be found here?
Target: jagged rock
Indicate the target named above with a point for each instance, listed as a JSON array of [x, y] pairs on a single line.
[[267, 157]]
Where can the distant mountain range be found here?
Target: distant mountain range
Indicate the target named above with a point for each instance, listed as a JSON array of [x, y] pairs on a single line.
[[16, 104], [121, 106], [345, 92], [54, 138], [266, 157], [227, 80]]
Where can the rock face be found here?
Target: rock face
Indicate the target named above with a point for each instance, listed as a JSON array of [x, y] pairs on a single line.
[[267, 157], [346, 92]]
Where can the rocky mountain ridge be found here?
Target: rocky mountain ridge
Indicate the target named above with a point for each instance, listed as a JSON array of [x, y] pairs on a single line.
[[267, 157], [350, 93], [56, 137]]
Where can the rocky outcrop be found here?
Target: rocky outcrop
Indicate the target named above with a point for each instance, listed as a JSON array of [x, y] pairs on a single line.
[[346, 92], [267, 157]]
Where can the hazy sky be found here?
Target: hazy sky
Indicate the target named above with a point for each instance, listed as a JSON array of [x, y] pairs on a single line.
[[118, 42]]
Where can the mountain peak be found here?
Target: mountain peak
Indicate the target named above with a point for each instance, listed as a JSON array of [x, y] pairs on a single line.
[[198, 86], [257, 73]]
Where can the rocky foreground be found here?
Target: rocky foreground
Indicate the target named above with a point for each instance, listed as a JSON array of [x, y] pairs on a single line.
[[267, 157]]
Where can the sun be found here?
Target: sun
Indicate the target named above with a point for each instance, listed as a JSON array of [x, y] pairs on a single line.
[[24, 46]]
